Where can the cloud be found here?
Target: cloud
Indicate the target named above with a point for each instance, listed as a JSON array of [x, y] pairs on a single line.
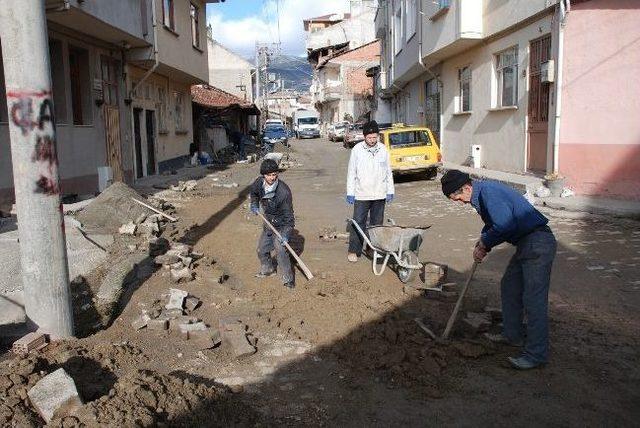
[[240, 35]]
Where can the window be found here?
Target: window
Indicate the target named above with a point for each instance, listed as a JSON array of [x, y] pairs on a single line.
[[464, 95], [507, 77], [397, 30], [58, 81], [162, 109], [168, 17], [443, 4], [80, 86], [194, 12], [410, 8], [408, 139], [178, 98], [432, 108]]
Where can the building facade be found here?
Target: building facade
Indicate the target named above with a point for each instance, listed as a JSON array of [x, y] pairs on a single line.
[[230, 72], [121, 74], [493, 77]]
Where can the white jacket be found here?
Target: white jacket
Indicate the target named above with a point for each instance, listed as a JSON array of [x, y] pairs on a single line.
[[369, 175]]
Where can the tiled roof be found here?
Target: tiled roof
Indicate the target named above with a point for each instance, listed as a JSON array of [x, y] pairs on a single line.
[[210, 96]]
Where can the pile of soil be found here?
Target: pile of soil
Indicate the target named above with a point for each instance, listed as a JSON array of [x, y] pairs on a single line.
[[114, 390], [112, 208]]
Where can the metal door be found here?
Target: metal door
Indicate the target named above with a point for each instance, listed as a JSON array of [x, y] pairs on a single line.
[[432, 107], [110, 71], [538, 113]]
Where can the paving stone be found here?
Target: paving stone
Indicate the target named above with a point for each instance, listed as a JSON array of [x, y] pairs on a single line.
[[128, 229], [141, 322], [205, 339], [191, 303], [181, 275], [166, 259], [55, 395], [158, 324], [188, 328], [176, 299], [174, 324]]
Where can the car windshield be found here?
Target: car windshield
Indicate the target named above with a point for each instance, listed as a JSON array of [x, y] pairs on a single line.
[[274, 130], [308, 120], [409, 138]]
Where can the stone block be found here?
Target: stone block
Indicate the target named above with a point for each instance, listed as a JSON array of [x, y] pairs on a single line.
[[204, 339], [191, 303], [176, 299], [55, 395], [158, 324], [141, 322], [128, 229], [29, 342], [181, 275], [174, 324], [166, 259], [158, 246], [189, 328]]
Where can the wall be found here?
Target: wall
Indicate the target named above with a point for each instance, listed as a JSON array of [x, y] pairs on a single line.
[[600, 125], [227, 70], [126, 16], [498, 15], [81, 148], [357, 30], [176, 49], [501, 133]]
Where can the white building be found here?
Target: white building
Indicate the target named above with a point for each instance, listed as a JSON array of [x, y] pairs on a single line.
[[229, 71]]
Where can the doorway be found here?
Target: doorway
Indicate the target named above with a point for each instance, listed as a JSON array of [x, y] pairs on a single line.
[[538, 113], [110, 71], [144, 129], [432, 107]]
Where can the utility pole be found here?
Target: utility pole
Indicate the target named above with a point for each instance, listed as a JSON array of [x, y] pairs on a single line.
[[43, 254]]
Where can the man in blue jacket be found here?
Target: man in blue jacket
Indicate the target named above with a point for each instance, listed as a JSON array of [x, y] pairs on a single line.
[[509, 217]]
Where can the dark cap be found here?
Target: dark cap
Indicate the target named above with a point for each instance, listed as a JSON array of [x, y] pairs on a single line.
[[370, 128], [268, 166], [453, 180]]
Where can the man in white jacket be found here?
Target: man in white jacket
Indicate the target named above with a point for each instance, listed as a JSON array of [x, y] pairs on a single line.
[[369, 184]]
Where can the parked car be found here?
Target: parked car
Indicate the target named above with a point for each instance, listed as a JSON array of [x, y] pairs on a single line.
[[412, 149], [336, 131], [352, 135], [275, 134]]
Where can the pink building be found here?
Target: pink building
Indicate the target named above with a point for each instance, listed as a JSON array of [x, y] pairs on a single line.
[[599, 145]]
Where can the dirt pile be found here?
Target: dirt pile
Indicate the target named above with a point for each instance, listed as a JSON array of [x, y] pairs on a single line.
[[112, 208]]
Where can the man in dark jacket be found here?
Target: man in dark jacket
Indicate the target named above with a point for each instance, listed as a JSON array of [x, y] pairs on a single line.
[[509, 217], [275, 197]]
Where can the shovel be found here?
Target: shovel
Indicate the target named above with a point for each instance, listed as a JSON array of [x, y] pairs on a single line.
[[454, 314]]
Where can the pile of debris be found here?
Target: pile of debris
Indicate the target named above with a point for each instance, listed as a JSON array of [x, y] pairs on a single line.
[[185, 186], [176, 315], [331, 234], [176, 257]]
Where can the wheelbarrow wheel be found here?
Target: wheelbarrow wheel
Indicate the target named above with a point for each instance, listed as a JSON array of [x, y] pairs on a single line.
[[404, 274]]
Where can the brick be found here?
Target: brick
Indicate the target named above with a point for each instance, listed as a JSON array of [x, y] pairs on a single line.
[[174, 324], [205, 339], [166, 259], [55, 395], [189, 328], [237, 340], [191, 303], [141, 322], [29, 342], [181, 275], [158, 324], [176, 299], [128, 229]]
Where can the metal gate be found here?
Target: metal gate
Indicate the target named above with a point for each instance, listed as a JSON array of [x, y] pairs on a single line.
[[538, 111], [432, 107]]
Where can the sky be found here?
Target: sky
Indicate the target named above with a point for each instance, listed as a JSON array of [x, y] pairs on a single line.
[[238, 24]]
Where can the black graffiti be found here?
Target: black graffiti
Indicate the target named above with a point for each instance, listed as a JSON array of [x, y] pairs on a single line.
[[22, 114], [45, 150], [47, 186]]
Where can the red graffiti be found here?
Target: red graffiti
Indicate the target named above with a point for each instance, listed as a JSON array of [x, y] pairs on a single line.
[[23, 94]]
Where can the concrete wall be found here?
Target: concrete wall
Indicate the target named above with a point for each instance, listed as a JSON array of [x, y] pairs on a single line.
[[227, 70], [357, 30], [127, 16], [176, 49], [501, 133], [81, 148], [498, 15], [600, 124]]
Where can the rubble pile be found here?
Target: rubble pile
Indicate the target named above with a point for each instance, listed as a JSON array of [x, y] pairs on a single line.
[[112, 208]]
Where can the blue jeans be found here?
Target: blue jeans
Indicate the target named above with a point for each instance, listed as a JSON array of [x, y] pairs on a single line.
[[525, 289], [361, 210], [267, 243]]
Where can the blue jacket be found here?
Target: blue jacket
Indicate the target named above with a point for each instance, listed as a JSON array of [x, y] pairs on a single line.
[[507, 215]]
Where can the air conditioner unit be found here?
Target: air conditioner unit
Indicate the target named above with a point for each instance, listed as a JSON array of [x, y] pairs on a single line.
[[547, 71]]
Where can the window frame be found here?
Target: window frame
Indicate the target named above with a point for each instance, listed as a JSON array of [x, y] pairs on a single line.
[[161, 107], [398, 33], [195, 25], [178, 112], [169, 16], [462, 80], [499, 77], [411, 7]]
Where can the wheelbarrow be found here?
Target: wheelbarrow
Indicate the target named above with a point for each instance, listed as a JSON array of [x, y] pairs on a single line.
[[396, 243]]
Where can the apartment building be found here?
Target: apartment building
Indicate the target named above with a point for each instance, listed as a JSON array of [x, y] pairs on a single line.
[[503, 77], [230, 72], [121, 74]]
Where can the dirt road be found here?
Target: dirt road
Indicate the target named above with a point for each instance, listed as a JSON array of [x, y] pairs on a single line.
[[344, 350]]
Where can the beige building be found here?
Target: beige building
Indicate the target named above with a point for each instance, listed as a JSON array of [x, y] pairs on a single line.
[[230, 72]]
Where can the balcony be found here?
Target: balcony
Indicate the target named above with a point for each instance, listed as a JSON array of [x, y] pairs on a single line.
[[330, 92]]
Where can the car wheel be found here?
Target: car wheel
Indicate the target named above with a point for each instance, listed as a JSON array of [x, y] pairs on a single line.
[[431, 173]]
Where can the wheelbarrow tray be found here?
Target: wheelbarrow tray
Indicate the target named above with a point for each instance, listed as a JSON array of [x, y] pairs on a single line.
[[396, 238]]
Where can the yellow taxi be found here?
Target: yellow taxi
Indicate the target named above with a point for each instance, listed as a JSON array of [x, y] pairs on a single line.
[[412, 149]]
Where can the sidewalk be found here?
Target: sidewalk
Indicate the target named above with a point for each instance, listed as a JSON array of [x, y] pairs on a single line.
[[581, 204]]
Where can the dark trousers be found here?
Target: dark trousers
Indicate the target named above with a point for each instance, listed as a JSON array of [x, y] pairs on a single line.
[[361, 210], [525, 289]]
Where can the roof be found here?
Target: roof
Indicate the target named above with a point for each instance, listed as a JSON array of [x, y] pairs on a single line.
[[212, 97], [367, 52], [334, 17]]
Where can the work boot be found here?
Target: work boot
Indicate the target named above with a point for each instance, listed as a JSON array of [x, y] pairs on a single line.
[[501, 339], [352, 257], [290, 285], [265, 274], [523, 363]]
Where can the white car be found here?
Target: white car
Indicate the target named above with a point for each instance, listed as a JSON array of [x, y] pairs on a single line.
[[336, 131]]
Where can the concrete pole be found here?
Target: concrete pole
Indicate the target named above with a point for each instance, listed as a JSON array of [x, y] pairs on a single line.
[[43, 255]]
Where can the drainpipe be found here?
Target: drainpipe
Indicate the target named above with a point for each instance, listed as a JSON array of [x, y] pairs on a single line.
[[565, 7], [156, 62]]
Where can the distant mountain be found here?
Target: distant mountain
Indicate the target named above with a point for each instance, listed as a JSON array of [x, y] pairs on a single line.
[[295, 71]]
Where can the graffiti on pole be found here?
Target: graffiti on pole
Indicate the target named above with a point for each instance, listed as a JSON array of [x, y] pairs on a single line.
[[32, 112]]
